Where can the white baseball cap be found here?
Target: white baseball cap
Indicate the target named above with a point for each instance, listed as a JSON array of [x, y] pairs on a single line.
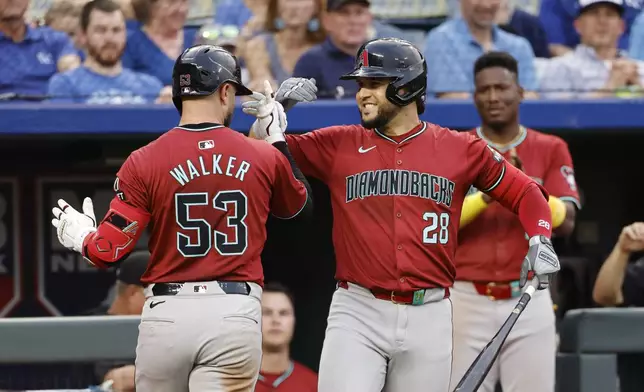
[[585, 4]]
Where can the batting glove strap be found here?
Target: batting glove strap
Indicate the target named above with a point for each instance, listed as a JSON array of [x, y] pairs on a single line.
[[542, 260]]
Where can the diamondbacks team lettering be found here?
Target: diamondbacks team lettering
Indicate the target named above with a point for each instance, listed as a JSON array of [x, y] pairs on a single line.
[[214, 167], [394, 182]]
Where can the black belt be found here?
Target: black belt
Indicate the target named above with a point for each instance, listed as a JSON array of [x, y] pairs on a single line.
[[242, 288]]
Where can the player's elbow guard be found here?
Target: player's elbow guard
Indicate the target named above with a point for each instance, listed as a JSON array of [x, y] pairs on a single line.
[[116, 235]]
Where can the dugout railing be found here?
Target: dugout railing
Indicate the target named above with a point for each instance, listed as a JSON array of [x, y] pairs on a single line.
[[587, 361]]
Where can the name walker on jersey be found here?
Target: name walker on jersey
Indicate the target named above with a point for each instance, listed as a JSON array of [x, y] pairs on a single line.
[[395, 182], [184, 173]]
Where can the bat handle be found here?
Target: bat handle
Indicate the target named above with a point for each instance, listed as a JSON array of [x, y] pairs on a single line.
[[530, 290]]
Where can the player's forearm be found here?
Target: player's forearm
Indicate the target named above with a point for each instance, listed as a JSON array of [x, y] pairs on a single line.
[[307, 210], [608, 286], [115, 236], [534, 212]]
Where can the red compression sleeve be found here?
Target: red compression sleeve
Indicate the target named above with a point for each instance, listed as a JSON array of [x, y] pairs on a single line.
[[534, 212], [116, 235]]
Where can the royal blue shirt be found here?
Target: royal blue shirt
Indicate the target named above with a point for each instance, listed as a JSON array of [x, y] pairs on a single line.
[[26, 66], [143, 55], [82, 85], [451, 52], [558, 18], [326, 63]]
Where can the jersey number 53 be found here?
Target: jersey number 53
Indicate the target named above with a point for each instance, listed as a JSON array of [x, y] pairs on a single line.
[[234, 204]]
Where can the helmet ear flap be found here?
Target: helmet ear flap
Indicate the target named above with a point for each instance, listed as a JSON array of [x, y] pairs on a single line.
[[412, 89]]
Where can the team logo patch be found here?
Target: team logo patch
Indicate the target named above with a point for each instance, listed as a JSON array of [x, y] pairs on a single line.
[[184, 80], [569, 175], [206, 144], [495, 154]]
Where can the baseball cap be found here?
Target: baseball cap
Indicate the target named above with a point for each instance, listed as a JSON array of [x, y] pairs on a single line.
[[585, 4], [334, 5], [132, 268]]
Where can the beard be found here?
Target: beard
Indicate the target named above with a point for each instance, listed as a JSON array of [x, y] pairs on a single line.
[[383, 117], [106, 60], [228, 119]]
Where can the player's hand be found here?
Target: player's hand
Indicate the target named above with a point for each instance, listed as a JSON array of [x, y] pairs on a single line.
[[542, 260], [271, 120], [72, 226], [632, 238], [294, 90]]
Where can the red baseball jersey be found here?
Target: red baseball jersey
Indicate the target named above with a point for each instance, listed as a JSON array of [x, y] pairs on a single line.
[[492, 246], [396, 201], [297, 378], [209, 191]]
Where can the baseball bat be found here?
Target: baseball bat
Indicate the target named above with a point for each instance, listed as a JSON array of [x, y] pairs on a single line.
[[475, 375]]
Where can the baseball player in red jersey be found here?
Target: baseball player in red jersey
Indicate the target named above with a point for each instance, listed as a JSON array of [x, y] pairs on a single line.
[[397, 186], [492, 242], [206, 192]]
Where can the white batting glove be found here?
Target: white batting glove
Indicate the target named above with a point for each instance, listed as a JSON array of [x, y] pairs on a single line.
[[542, 260], [294, 90], [271, 119], [72, 226]]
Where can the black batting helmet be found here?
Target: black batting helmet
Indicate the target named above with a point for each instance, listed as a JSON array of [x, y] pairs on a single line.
[[398, 60], [201, 69]]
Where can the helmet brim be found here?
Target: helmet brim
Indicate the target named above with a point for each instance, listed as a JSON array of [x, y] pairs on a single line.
[[242, 90], [368, 72]]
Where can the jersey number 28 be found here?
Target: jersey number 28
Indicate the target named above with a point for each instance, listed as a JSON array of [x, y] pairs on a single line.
[[438, 230], [232, 203]]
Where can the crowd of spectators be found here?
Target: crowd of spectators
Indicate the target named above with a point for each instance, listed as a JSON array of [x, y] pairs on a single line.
[[122, 51]]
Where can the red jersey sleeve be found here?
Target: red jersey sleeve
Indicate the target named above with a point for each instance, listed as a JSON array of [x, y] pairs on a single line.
[[560, 176], [129, 187], [289, 194], [487, 166], [315, 151]]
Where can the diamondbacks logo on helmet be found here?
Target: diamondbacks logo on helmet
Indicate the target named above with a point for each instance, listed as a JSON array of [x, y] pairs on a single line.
[[184, 80], [364, 59]]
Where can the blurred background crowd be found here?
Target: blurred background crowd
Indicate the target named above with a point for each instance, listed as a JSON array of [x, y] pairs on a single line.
[[122, 51]]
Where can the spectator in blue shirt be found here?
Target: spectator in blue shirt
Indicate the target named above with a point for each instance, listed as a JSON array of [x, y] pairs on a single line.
[[453, 47], [29, 56], [154, 46], [517, 21], [558, 18], [102, 79], [636, 41], [348, 24]]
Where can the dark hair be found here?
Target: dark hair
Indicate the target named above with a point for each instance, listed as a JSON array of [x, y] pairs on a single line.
[[276, 287], [496, 59], [107, 6]]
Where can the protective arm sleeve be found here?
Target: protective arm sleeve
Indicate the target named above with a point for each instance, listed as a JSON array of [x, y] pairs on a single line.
[[526, 198], [116, 235], [474, 205]]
